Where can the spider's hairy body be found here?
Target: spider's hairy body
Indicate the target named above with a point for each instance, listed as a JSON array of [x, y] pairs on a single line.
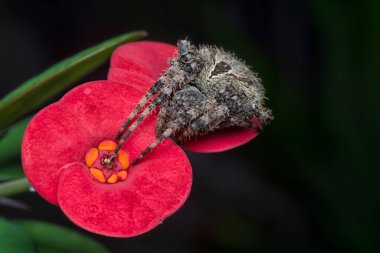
[[203, 90]]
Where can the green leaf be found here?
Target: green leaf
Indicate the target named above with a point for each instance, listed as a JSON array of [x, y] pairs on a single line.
[[13, 239], [11, 171], [39, 89], [10, 144], [50, 238], [10, 149]]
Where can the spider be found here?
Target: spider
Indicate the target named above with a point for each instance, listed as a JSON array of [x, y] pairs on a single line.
[[204, 89]]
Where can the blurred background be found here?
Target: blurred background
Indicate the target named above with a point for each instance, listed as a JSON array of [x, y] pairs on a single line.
[[309, 183]]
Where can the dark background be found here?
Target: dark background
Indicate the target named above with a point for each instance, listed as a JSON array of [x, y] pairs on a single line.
[[309, 183]]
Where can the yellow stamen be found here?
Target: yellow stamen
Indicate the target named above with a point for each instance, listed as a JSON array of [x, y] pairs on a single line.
[[98, 174], [107, 145], [91, 156], [123, 158], [112, 179], [122, 174]]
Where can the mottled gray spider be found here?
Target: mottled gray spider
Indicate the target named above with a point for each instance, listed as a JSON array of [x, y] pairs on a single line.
[[203, 90]]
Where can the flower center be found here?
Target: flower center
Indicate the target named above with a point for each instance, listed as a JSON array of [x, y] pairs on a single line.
[[108, 161], [104, 165]]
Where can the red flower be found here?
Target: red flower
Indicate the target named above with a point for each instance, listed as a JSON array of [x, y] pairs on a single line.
[[66, 151]]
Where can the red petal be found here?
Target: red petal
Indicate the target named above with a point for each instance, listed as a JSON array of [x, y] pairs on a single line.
[[64, 131], [138, 81], [50, 141], [154, 189], [222, 140], [143, 58]]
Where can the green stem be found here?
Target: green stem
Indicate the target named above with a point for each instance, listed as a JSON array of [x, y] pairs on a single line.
[[14, 187]]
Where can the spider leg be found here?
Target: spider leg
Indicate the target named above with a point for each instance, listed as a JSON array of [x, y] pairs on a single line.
[[157, 141], [183, 70], [180, 110], [163, 95], [209, 119], [151, 92], [191, 113], [185, 63]]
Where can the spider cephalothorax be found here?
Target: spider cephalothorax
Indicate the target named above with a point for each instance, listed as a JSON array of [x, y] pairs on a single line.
[[203, 90]]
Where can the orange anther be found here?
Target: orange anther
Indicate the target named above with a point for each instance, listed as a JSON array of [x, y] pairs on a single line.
[[98, 174], [112, 179], [123, 158], [91, 156], [107, 145], [122, 174]]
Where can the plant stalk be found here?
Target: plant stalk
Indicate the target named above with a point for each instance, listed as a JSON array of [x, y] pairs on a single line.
[[13, 187]]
